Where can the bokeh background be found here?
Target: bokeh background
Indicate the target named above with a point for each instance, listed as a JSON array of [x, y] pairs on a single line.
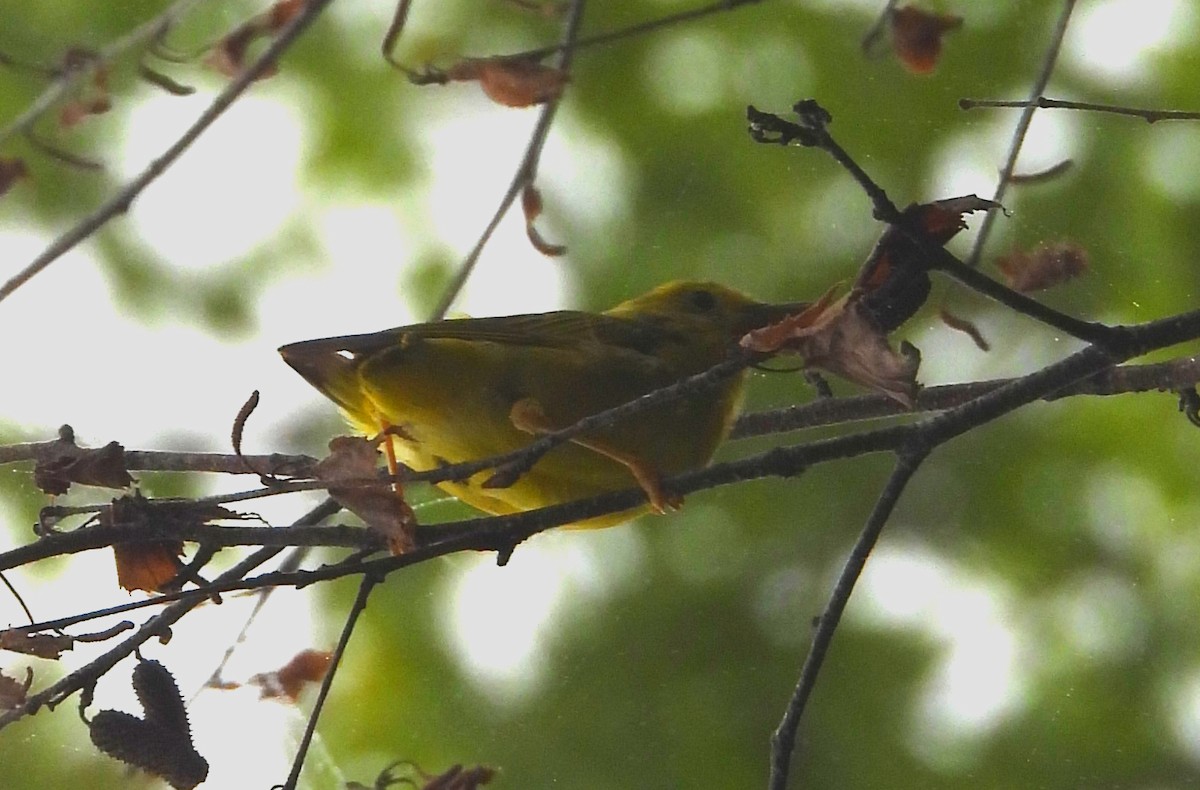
[[1029, 619]]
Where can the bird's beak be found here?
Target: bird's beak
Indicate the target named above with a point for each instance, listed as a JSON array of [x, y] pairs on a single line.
[[761, 315]]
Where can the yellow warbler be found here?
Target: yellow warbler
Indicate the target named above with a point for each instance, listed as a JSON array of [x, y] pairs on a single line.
[[466, 389]]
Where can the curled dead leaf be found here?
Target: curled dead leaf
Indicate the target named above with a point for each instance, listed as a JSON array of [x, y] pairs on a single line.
[[895, 278], [531, 206], [153, 565], [12, 170], [40, 645], [13, 692], [1043, 267], [93, 98], [917, 37], [229, 55], [307, 666], [513, 82], [62, 462], [381, 508], [841, 337], [73, 112]]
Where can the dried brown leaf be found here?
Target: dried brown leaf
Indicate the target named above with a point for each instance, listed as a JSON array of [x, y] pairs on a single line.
[[917, 37], [230, 54], [12, 170], [841, 338], [147, 566], [1043, 267], [307, 666], [73, 112], [381, 508], [152, 564], [513, 82], [13, 693], [40, 645], [894, 281], [63, 462], [531, 206], [92, 100], [282, 13]]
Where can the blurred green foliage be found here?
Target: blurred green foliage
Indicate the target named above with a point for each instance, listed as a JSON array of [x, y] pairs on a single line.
[[675, 674]]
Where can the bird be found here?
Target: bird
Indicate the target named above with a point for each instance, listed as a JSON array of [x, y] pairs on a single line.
[[465, 389]]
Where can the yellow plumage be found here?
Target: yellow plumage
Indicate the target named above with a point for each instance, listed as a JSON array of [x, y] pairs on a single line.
[[472, 388]]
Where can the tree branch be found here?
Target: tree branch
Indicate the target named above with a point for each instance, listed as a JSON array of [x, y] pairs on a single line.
[[121, 201]]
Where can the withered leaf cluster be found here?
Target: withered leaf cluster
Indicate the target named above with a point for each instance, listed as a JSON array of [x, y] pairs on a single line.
[[62, 462], [848, 336], [153, 564]]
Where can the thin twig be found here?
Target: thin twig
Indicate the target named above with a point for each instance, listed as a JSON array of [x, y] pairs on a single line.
[[178, 460], [640, 28], [360, 604], [875, 31], [502, 533], [812, 131], [156, 626], [1042, 103], [70, 79], [120, 202], [784, 738], [928, 435], [1041, 176], [17, 596], [291, 562], [399, 19], [1090, 372], [1022, 129], [526, 171], [1126, 379], [103, 536]]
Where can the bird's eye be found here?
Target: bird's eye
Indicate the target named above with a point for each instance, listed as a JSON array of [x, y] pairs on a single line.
[[703, 301]]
